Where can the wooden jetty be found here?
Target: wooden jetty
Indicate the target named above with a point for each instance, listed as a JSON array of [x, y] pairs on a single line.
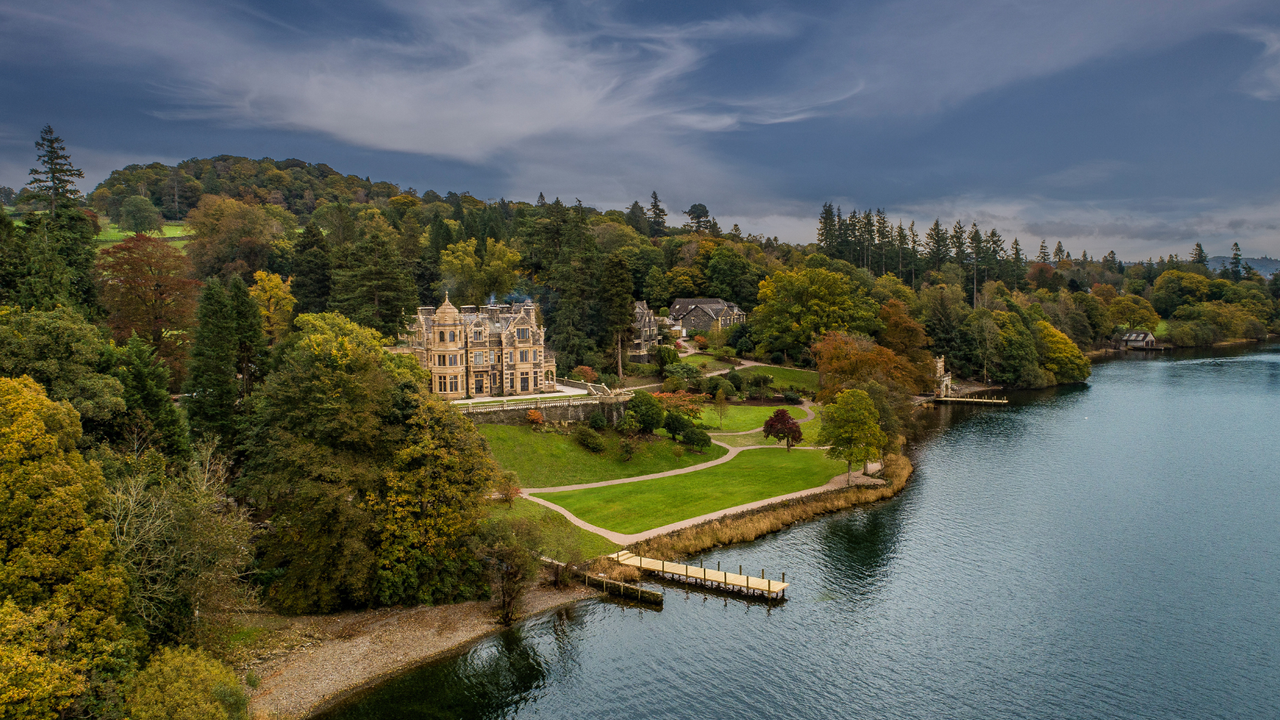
[[972, 400], [698, 575], [612, 587]]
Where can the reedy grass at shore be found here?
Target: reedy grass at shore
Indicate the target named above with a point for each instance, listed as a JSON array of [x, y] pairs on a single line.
[[753, 524]]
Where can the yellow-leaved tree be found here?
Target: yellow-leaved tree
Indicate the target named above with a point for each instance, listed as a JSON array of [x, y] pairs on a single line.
[[275, 301], [61, 636]]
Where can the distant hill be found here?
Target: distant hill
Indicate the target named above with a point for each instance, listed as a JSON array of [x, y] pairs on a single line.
[[1265, 265]]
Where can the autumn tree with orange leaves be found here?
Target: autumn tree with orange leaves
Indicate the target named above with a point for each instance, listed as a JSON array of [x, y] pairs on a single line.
[[146, 286]]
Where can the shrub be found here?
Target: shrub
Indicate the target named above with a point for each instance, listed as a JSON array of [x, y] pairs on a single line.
[[722, 353], [597, 421], [682, 370], [677, 424], [673, 385], [677, 451], [628, 425], [777, 358], [735, 378], [610, 380], [791, 396], [696, 438], [589, 439], [760, 380], [647, 410], [643, 369], [717, 383], [534, 417], [186, 684], [664, 355], [701, 341], [745, 346], [586, 373], [628, 447], [759, 393], [697, 385]]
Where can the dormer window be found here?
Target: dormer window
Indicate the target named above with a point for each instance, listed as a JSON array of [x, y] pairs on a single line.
[[477, 336], [522, 333]]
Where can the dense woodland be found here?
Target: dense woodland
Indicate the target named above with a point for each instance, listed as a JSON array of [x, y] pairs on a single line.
[[128, 520]]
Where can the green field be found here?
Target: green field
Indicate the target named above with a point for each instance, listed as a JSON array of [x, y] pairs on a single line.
[[810, 430], [785, 377], [113, 233], [548, 459], [561, 539], [753, 475], [744, 417], [706, 362]]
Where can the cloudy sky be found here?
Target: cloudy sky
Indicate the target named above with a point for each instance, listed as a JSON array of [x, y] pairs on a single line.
[[1141, 127]]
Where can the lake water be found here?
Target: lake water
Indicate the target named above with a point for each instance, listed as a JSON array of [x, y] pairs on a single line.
[[1109, 551]]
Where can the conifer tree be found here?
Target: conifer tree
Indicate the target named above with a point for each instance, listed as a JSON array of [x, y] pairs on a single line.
[[372, 286], [146, 396], [64, 229], [212, 387], [1059, 254], [657, 216], [54, 181], [1043, 255], [1234, 266], [827, 231], [637, 219], [250, 337], [938, 245], [1198, 255], [311, 277], [619, 305]]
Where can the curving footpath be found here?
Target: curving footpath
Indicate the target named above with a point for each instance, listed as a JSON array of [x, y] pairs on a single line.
[[841, 480]]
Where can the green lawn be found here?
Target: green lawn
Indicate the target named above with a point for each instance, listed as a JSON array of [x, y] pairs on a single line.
[[113, 233], [561, 539], [753, 475], [809, 428], [786, 377], [548, 459], [744, 417], [706, 362]]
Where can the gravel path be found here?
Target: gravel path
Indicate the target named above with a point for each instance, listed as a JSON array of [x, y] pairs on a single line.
[[357, 650]]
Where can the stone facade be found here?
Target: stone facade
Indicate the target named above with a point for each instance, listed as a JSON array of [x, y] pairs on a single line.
[[495, 350], [706, 313], [645, 333]]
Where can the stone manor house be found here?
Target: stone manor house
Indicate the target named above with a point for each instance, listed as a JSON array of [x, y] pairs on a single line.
[[481, 351]]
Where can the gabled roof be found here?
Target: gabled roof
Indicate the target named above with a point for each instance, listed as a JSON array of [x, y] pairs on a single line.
[[1138, 335], [715, 307]]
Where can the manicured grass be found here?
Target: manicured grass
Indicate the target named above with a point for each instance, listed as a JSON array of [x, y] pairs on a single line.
[[706, 362], [113, 233], [548, 459], [809, 428], [744, 417], [561, 539], [786, 377], [753, 475]]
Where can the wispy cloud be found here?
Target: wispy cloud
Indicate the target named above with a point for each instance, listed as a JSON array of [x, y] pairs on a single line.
[[1263, 79]]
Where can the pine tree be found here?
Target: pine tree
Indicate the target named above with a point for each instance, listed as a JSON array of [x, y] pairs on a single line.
[[1058, 253], [938, 245], [146, 395], [657, 216], [311, 280], [828, 239], [1043, 255], [54, 181], [372, 286], [1198, 256], [212, 387], [619, 305], [637, 219], [1236, 271], [251, 338]]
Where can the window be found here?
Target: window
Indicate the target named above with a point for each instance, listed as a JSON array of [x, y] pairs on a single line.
[[522, 333], [478, 358], [524, 356], [440, 360], [453, 359], [511, 381], [524, 382], [442, 385], [479, 385], [452, 337], [453, 384], [535, 356], [511, 356], [477, 335], [441, 336], [491, 356], [535, 379]]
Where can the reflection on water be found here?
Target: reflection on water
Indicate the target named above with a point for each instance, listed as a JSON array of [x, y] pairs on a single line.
[[1100, 551]]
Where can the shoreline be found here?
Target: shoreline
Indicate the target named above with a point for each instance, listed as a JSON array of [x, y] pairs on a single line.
[[359, 650]]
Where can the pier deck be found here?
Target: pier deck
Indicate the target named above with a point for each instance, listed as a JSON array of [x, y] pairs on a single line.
[[971, 400], [696, 575]]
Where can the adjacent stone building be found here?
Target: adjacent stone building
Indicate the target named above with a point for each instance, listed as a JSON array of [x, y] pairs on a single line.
[[645, 333], [706, 313], [480, 351]]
